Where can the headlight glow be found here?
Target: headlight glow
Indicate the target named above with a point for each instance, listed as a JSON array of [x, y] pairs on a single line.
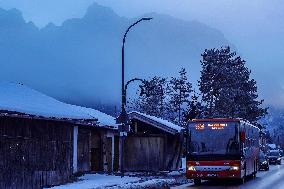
[[265, 162], [191, 168], [234, 168]]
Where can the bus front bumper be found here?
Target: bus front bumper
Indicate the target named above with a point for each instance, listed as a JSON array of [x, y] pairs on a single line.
[[207, 175]]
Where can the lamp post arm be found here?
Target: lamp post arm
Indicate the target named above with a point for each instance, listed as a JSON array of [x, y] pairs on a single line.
[[132, 80], [128, 29], [123, 90]]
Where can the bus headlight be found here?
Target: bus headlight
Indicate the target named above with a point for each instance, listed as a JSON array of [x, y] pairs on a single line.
[[234, 168], [191, 168]]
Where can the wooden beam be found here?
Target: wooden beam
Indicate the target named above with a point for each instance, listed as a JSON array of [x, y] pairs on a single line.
[[75, 149]]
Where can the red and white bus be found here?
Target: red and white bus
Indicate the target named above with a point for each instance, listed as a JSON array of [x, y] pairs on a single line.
[[222, 148]]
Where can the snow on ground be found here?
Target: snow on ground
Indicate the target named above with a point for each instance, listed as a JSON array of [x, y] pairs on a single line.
[[161, 121], [19, 98], [97, 181], [91, 181], [153, 183], [175, 173]]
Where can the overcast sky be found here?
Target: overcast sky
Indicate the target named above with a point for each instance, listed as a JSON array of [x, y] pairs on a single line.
[[218, 13], [255, 27]]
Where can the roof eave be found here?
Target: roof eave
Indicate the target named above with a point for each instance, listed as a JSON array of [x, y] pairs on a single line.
[[84, 122], [135, 115]]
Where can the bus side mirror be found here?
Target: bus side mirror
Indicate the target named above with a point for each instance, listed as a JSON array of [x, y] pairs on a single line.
[[243, 136]]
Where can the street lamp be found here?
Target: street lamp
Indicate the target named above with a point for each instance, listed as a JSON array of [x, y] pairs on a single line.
[[123, 117]]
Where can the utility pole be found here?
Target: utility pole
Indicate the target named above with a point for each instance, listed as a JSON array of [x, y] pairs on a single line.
[[123, 119], [179, 106]]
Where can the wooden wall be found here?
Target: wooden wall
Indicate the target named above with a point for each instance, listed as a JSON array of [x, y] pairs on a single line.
[[108, 160], [34, 153], [96, 154], [144, 153], [116, 154], [94, 150], [151, 149], [84, 149], [173, 152]]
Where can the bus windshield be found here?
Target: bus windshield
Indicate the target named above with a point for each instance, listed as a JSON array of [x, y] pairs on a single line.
[[207, 138]]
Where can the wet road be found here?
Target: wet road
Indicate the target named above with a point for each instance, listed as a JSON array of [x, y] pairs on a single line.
[[272, 179]]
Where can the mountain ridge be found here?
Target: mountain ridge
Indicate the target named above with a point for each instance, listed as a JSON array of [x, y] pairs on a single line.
[[79, 61]]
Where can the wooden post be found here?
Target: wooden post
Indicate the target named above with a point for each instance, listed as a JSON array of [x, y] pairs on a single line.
[[112, 153], [75, 149]]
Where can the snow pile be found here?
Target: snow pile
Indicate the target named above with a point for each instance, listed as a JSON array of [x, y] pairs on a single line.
[[175, 173], [102, 181], [91, 181], [153, 184], [19, 98], [161, 121], [97, 181]]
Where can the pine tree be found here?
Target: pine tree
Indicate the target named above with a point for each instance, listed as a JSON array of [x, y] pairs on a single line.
[[226, 87], [194, 109], [152, 97], [179, 91]]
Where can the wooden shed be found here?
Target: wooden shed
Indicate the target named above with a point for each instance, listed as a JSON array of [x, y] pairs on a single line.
[[43, 142], [153, 144], [95, 149]]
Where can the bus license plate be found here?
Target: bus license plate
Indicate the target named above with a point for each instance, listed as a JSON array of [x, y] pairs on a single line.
[[212, 175]]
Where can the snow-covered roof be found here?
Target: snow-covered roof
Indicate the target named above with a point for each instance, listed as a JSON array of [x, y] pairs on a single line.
[[156, 122], [22, 99]]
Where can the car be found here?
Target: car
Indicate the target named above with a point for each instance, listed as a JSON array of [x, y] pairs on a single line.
[[272, 146], [274, 157], [263, 162]]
